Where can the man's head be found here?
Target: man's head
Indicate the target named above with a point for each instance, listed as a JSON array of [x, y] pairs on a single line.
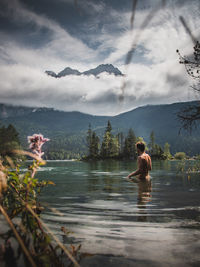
[[140, 147]]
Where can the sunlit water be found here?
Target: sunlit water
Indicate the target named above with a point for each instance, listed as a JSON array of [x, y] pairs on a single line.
[[124, 223]]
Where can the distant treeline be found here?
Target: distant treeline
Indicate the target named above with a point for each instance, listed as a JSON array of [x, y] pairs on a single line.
[[88, 146], [120, 146], [65, 147]]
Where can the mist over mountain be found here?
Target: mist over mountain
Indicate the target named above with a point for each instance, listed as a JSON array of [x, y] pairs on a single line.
[[108, 68], [73, 126]]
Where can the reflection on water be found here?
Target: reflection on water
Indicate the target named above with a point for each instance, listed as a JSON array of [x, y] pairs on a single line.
[[152, 222], [144, 196]]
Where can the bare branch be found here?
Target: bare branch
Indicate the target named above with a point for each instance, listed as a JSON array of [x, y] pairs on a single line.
[[189, 117]]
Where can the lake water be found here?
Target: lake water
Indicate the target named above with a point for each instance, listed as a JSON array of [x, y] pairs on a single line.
[[124, 223]]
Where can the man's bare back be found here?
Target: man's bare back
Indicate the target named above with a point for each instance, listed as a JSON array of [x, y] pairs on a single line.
[[144, 163]]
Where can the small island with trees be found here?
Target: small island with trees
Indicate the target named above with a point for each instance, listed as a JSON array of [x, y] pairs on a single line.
[[122, 147]]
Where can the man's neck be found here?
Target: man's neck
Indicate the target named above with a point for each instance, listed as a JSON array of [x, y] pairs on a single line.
[[140, 153]]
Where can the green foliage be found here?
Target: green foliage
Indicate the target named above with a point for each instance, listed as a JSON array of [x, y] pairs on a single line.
[[89, 140], [120, 137], [167, 154], [129, 145], [181, 167], [158, 152], [66, 147], [110, 144], [9, 140], [92, 144], [155, 150], [180, 155], [109, 127], [117, 146], [152, 143], [20, 201], [107, 144], [198, 157], [68, 130], [194, 167], [189, 166], [22, 187]]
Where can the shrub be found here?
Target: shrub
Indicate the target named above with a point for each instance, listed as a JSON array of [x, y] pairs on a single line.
[[180, 155], [20, 206]]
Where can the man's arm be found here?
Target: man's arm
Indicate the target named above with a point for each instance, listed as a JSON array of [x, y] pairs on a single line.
[[150, 164], [139, 170]]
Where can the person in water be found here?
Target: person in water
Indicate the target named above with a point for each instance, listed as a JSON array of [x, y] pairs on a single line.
[[143, 161]]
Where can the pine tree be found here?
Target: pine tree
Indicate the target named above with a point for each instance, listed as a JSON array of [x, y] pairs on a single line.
[[115, 147], [109, 127], [89, 140], [129, 145], [106, 145], [132, 143], [110, 144], [12, 133], [158, 152], [9, 140], [120, 137], [167, 154], [152, 143], [94, 145]]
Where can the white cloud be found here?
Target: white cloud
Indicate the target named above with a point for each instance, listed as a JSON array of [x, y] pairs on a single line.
[[28, 86], [161, 80], [37, 89]]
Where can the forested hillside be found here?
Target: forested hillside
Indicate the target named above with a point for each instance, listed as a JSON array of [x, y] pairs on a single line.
[[68, 130]]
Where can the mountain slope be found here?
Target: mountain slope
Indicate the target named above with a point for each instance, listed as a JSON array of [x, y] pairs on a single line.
[[163, 120]]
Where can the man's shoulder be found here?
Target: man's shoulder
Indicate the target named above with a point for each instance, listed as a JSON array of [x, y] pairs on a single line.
[[144, 156]]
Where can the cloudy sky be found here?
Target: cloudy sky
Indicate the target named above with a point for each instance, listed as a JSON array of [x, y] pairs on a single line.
[[54, 34]]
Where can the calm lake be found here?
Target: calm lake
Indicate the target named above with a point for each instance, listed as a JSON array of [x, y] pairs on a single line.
[[124, 223]]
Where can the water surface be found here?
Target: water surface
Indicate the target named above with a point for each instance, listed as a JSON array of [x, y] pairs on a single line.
[[154, 223]]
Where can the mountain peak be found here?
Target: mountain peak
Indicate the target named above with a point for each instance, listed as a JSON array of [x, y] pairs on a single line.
[[51, 73], [68, 71], [108, 68]]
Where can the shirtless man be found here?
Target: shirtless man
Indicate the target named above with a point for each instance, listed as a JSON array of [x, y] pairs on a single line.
[[144, 163]]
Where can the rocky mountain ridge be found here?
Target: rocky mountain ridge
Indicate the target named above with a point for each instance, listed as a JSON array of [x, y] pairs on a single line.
[[108, 68]]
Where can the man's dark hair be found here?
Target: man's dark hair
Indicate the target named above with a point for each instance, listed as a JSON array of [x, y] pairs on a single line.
[[140, 146]]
